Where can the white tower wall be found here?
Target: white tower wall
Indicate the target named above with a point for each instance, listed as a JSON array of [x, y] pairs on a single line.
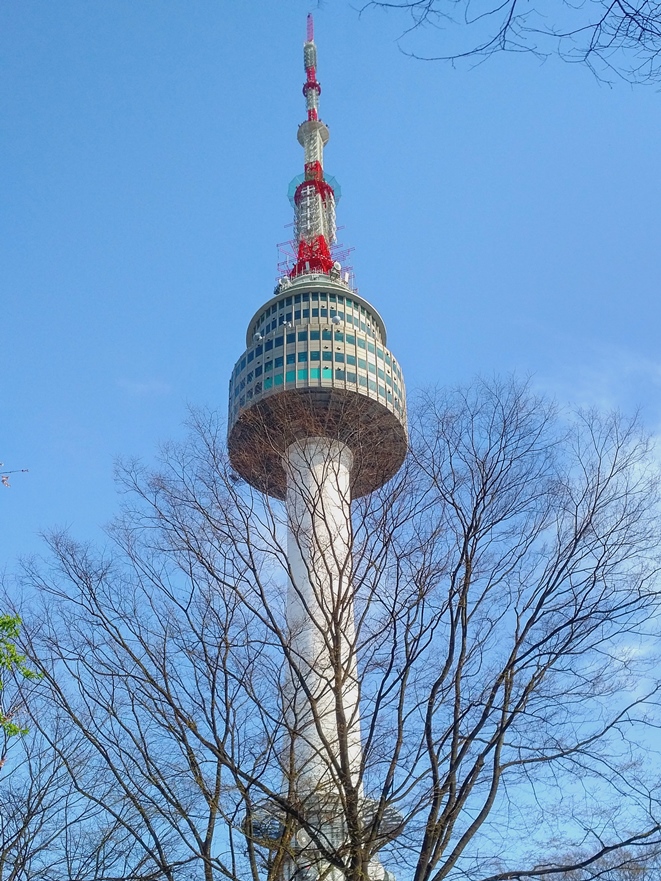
[[325, 697]]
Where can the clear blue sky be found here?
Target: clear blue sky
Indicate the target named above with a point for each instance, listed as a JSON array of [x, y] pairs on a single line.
[[504, 216]]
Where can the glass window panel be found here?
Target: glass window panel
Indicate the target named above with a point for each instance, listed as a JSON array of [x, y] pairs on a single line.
[[315, 373]]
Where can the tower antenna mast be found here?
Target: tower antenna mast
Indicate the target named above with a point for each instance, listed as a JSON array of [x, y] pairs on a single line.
[[314, 198]]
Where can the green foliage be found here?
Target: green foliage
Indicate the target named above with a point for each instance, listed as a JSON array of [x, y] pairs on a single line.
[[11, 661]]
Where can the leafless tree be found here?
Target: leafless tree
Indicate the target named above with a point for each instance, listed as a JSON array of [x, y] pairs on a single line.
[[503, 594], [620, 39], [49, 829]]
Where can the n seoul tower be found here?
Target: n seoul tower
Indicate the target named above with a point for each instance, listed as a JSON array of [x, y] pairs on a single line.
[[317, 416]]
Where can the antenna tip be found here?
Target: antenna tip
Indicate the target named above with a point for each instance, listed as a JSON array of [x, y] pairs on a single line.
[[310, 28]]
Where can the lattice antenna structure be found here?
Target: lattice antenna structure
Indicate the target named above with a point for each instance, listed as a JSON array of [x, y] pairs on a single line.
[[314, 196]]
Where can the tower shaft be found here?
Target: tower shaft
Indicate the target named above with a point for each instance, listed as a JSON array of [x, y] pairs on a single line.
[[324, 701]]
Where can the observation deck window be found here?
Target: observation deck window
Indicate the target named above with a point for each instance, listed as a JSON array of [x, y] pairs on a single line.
[[351, 377], [306, 313], [351, 339], [302, 335], [278, 379], [326, 335], [315, 373], [327, 356], [268, 346], [290, 376], [314, 334], [303, 374], [302, 356], [279, 340], [339, 357], [297, 315], [291, 358], [258, 371], [340, 374], [297, 298], [268, 382], [291, 337], [268, 365], [339, 336], [279, 361], [315, 355], [306, 298], [351, 359], [315, 313], [361, 343]]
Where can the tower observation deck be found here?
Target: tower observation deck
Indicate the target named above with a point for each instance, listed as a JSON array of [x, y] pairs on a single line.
[[317, 416]]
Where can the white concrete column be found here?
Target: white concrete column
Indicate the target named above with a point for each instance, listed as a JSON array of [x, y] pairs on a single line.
[[323, 690]]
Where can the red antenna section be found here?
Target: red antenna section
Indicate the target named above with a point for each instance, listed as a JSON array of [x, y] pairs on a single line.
[[314, 198]]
